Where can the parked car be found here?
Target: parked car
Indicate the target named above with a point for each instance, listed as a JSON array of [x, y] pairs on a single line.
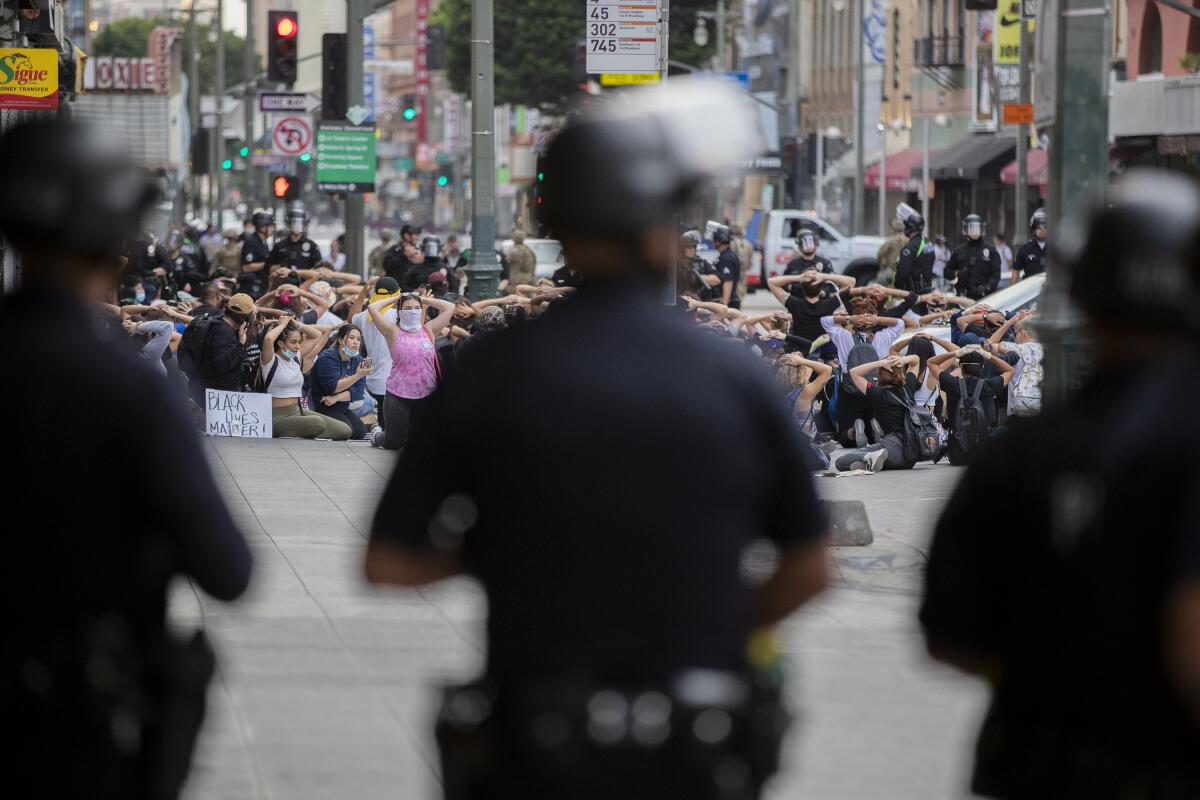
[[548, 253], [774, 232], [1021, 296]]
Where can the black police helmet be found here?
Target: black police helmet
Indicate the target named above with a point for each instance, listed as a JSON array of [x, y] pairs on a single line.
[[263, 219], [69, 186], [1038, 220], [914, 224], [973, 221], [1136, 257], [722, 234]]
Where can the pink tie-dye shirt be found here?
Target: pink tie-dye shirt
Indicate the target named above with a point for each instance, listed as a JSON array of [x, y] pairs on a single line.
[[414, 366]]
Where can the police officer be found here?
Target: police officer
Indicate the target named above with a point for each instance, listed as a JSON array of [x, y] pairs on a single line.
[[617, 628], [255, 254], [692, 273], [431, 262], [914, 271], [188, 271], [404, 255], [806, 244], [295, 251], [1095, 692], [99, 699], [976, 264], [149, 262], [728, 268], [1031, 256]]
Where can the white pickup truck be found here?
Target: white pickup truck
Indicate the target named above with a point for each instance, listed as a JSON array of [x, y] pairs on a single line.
[[776, 234]]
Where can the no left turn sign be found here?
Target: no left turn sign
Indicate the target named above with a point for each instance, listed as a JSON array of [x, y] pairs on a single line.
[[292, 135]]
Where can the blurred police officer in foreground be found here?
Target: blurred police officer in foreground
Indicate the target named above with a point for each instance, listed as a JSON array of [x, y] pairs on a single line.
[[618, 622], [295, 251], [1082, 607], [105, 505]]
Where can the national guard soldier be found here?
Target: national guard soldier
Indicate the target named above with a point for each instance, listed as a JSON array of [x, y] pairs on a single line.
[[618, 624], [976, 264], [1081, 610], [255, 254], [295, 251]]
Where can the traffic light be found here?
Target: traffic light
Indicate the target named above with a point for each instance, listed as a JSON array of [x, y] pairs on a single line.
[[443, 180], [200, 152], [408, 108], [435, 47], [244, 152], [285, 188], [282, 29], [227, 164], [333, 77]]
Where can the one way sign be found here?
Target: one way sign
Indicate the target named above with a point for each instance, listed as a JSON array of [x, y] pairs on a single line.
[[293, 102]]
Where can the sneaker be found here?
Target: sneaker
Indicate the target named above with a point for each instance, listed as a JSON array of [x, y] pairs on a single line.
[[828, 447], [873, 461], [376, 437], [877, 430], [860, 434]]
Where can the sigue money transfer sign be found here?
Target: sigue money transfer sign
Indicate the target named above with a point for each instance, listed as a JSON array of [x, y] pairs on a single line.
[[28, 79]]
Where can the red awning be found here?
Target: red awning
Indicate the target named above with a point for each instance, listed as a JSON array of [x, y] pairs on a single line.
[[900, 167], [1037, 169]]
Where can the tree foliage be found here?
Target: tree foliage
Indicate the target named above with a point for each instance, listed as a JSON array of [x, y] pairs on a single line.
[[536, 55], [129, 38]]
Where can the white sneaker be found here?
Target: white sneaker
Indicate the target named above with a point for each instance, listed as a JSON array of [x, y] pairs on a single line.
[[873, 461], [376, 437]]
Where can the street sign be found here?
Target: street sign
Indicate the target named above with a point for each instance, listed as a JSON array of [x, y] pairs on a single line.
[[287, 102], [1017, 113], [1029, 9], [357, 115], [400, 66], [345, 158], [627, 78], [284, 165], [622, 36], [291, 135], [739, 78]]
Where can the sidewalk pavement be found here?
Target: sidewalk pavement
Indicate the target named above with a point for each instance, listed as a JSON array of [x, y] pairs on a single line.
[[326, 685]]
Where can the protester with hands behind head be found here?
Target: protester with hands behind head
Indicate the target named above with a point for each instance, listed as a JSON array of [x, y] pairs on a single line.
[[289, 351], [811, 304], [889, 396]]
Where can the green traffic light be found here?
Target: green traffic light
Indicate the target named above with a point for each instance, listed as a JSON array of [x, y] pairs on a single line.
[[306, 156], [443, 180], [245, 151], [227, 164], [541, 176], [410, 114]]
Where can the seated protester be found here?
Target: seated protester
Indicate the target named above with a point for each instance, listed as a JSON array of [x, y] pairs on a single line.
[[814, 301], [212, 351], [325, 291], [805, 382], [213, 298], [928, 390], [288, 353], [890, 397], [374, 342], [1025, 390], [339, 379], [307, 306], [152, 339], [487, 321], [132, 292], [977, 326], [858, 343], [970, 396]]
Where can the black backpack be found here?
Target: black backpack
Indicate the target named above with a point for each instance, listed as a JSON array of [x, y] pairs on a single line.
[[863, 352], [192, 344], [922, 440], [971, 427]]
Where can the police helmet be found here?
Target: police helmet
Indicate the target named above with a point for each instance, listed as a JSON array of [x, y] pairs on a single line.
[[914, 224], [722, 235], [1136, 255], [1038, 220], [973, 226], [72, 187], [806, 240], [263, 220], [431, 246], [630, 164], [296, 212]]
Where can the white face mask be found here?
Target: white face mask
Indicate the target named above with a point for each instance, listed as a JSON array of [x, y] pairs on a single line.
[[410, 319]]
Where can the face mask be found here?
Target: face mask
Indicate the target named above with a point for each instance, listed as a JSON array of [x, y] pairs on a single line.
[[297, 228], [410, 319], [140, 297], [349, 353], [290, 356]]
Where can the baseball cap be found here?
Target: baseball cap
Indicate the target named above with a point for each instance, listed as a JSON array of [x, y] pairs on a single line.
[[387, 287], [240, 303], [437, 277]]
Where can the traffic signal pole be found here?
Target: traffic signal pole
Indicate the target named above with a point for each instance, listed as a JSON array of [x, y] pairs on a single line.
[[483, 273], [356, 11], [220, 98]]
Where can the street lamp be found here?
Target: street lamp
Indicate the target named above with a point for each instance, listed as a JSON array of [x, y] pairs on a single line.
[[832, 132], [856, 49], [700, 35]]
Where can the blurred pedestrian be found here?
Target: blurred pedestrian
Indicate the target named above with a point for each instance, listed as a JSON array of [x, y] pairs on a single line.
[[620, 629], [522, 263], [1081, 611], [99, 699], [375, 257]]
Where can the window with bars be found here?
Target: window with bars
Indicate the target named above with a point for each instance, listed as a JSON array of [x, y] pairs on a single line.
[[940, 35]]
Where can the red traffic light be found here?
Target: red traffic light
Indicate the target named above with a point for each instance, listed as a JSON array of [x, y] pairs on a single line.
[[281, 186], [285, 27]]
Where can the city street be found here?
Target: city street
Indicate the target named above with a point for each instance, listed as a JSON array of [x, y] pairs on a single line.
[[327, 686]]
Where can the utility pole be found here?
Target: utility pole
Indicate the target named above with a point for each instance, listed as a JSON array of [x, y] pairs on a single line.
[[219, 145], [483, 272], [1022, 202], [248, 98], [356, 11], [193, 69], [859, 113]]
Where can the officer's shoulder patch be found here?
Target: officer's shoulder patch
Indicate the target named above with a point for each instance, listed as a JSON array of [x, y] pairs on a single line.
[[249, 257], [985, 253]]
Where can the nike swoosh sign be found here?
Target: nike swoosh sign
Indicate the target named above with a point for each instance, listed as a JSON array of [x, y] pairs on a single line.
[[1005, 21]]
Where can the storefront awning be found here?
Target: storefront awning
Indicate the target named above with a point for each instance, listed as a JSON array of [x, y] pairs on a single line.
[[968, 159], [902, 171], [1037, 169]]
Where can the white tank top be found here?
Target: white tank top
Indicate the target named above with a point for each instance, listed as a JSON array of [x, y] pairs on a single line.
[[288, 383], [924, 396]]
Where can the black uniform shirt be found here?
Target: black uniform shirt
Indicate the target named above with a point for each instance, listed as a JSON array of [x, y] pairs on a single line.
[[300, 253], [565, 276], [1030, 258], [976, 265], [914, 271], [730, 271], [1055, 558], [624, 563], [798, 265]]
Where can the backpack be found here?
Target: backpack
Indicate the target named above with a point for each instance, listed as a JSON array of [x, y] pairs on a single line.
[[863, 352], [971, 429], [191, 350], [922, 437]]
